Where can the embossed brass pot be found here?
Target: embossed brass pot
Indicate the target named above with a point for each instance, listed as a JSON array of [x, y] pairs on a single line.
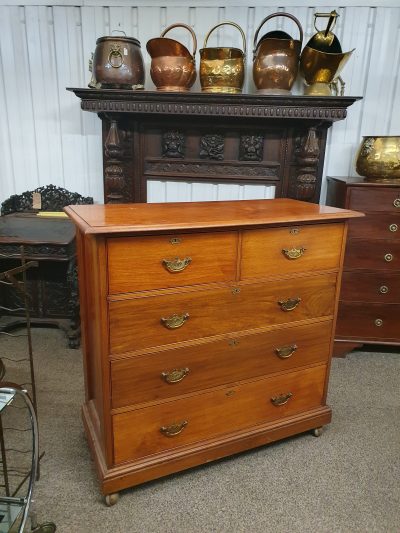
[[221, 68], [276, 58], [117, 64], [378, 159], [173, 67]]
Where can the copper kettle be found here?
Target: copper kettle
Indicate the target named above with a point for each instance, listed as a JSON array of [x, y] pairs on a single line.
[[276, 58], [173, 67]]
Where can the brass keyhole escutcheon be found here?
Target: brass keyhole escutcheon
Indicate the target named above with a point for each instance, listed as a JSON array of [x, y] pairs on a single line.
[[236, 290], [378, 322], [396, 203], [393, 227], [294, 231], [388, 257], [383, 289], [233, 342], [175, 240], [230, 393]]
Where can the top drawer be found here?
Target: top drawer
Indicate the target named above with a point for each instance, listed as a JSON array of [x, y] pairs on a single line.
[[276, 251], [375, 199], [143, 263]]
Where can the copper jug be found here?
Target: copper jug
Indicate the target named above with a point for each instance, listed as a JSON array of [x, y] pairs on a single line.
[[276, 58], [173, 67], [222, 68]]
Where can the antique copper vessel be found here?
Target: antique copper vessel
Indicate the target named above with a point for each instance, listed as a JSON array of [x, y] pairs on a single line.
[[221, 68], [378, 159], [322, 60], [276, 58], [117, 64], [173, 67]]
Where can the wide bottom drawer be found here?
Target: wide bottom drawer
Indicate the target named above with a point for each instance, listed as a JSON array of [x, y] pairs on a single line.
[[143, 432], [368, 321]]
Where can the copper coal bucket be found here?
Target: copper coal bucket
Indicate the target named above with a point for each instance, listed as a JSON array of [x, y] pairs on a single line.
[[276, 58], [222, 68], [173, 67]]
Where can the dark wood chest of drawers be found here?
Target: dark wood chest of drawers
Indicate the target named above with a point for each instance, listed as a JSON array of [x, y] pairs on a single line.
[[207, 329], [369, 308]]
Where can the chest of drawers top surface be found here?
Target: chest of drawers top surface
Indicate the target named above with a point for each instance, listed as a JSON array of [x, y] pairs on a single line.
[[167, 217]]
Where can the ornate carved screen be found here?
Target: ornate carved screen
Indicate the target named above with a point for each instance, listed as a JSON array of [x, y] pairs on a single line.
[[269, 140]]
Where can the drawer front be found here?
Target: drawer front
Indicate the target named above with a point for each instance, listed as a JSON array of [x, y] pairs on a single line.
[[372, 254], [288, 250], [142, 263], [369, 321], [194, 368], [375, 226], [197, 418], [375, 199], [379, 287], [146, 322]]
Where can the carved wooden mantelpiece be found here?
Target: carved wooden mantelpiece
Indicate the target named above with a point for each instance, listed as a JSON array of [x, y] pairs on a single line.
[[245, 138]]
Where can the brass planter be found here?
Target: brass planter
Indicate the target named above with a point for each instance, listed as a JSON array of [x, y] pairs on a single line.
[[221, 68], [378, 159], [173, 67], [276, 58]]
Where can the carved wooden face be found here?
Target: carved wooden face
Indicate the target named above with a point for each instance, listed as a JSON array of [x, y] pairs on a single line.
[[173, 144], [251, 147]]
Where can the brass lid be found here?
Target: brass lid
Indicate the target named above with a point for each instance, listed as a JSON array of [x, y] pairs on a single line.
[[112, 38]]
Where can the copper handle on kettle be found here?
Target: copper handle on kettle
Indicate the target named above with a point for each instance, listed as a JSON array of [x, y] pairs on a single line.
[[227, 24], [288, 15], [182, 25]]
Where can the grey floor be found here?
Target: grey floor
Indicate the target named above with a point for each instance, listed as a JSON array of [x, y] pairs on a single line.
[[345, 481]]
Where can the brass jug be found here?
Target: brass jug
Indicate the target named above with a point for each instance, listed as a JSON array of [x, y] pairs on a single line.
[[322, 60], [276, 58], [173, 67], [222, 68]]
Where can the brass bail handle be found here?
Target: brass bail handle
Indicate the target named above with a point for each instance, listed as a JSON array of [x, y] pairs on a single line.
[[227, 24], [333, 15], [182, 25], [288, 15]]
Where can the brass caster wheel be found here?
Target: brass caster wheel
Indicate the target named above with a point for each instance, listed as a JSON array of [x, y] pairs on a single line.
[[317, 432], [111, 499]]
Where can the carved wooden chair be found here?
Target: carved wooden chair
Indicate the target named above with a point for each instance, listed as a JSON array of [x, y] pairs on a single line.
[[62, 288]]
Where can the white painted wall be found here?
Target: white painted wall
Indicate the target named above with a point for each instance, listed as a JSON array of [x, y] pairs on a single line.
[[44, 48]]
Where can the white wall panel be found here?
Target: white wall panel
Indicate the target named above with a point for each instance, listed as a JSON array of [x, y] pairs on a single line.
[[45, 47]]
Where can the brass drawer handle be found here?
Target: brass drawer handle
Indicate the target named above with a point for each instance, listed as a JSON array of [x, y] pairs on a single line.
[[293, 253], [289, 304], [393, 227], [174, 429], [286, 351], [176, 375], [388, 257], [383, 289], [281, 399], [174, 321], [396, 203], [378, 322], [176, 265]]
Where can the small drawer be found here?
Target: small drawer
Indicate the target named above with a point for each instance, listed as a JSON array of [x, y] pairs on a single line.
[[369, 321], [379, 287], [169, 425], [157, 320], [143, 263], [375, 199], [375, 226], [372, 254], [288, 250], [170, 373]]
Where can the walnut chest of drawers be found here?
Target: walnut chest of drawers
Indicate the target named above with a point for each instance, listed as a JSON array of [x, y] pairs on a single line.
[[369, 308], [207, 329]]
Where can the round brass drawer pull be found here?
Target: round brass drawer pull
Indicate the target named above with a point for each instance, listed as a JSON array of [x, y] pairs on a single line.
[[378, 322], [293, 253], [396, 203], [175, 321], [383, 289], [289, 304], [174, 429], [286, 351], [281, 399], [176, 265], [175, 376], [388, 257], [393, 227]]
